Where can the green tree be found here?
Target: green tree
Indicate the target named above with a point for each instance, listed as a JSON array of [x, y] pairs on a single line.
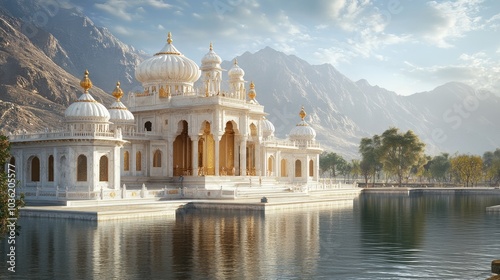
[[5, 197], [356, 169], [467, 168], [400, 152], [370, 149], [439, 167], [331, 162], [491, 166]]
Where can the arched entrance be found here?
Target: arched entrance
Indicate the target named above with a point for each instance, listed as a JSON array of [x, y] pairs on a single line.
[[226, 151], [206, 151], [182, 151]]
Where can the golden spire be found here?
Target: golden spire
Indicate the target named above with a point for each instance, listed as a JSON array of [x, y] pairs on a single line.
[[211, 47], [302, 113], [251, 93], [86, 83], [118, 92], [235, 61], [169, 38]]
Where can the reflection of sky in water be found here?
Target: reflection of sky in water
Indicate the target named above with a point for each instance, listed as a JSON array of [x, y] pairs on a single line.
[[432, 236]]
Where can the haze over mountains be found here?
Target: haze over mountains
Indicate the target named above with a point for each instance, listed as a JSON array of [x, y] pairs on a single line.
[[40, 73]]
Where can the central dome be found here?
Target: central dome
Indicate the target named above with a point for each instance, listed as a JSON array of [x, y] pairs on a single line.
[[168, 65]]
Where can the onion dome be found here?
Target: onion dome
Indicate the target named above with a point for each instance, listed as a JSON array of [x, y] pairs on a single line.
[[167, 65], [211, 60], [236, 73], [118, 111], [267, 127], [302, 131], [86, 108]]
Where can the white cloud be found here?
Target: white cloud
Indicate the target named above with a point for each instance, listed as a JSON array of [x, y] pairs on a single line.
[[130, 10], [160, 27], [478, 70]]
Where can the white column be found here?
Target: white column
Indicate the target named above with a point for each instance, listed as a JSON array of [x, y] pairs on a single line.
[[243, 156], [170, 156], [194, 151], [217, 140], [116, 168]]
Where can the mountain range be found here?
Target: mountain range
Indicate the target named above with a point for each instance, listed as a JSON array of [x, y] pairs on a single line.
[[41, 65]]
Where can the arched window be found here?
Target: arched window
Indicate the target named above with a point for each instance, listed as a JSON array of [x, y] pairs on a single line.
[[35, 169], [51, 168], [283, 168], [126, 161], [103, 169], [298, 168], [270, 165], [253, 130], [138, 161], [311, 168], [148, 126], [157, 158], [81, 168]]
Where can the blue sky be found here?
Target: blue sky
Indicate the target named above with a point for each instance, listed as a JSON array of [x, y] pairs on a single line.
[[406, 46]]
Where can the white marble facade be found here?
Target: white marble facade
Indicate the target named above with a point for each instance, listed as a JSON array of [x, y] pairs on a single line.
[[168, 130]]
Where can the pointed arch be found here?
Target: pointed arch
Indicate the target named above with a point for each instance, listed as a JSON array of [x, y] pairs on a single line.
[[138, 161], [270, 165], [253, 129], [206, 150], [182, 148], [35, 169], [126, 161], [226, 150], [50, 176], [283, 168], [103, 169], [157, 158], [81, 168], [298, 168]]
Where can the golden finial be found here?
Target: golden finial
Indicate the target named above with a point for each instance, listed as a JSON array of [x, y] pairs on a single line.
[[251, 93], [118, 92], [169, 38], [235, 61], [302, 113], [86, 83], [211, 47]]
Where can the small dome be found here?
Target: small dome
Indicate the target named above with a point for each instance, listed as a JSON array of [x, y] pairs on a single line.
[[168, 65], [86, 108], [267, 127], [236, 72], [302, 131], [211, 59], [118, 111]]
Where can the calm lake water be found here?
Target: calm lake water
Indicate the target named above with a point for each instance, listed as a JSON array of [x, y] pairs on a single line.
[[374, 237]]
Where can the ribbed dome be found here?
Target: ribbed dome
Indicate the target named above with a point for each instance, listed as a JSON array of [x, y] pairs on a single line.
[[267, 128], [86, 108], [236, 72], [302, 131], [211, 59], [168, 65], [118, 111]]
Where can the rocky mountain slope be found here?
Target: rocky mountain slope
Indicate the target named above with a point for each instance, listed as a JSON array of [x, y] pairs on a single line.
[[343, 111], [40, 73]]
